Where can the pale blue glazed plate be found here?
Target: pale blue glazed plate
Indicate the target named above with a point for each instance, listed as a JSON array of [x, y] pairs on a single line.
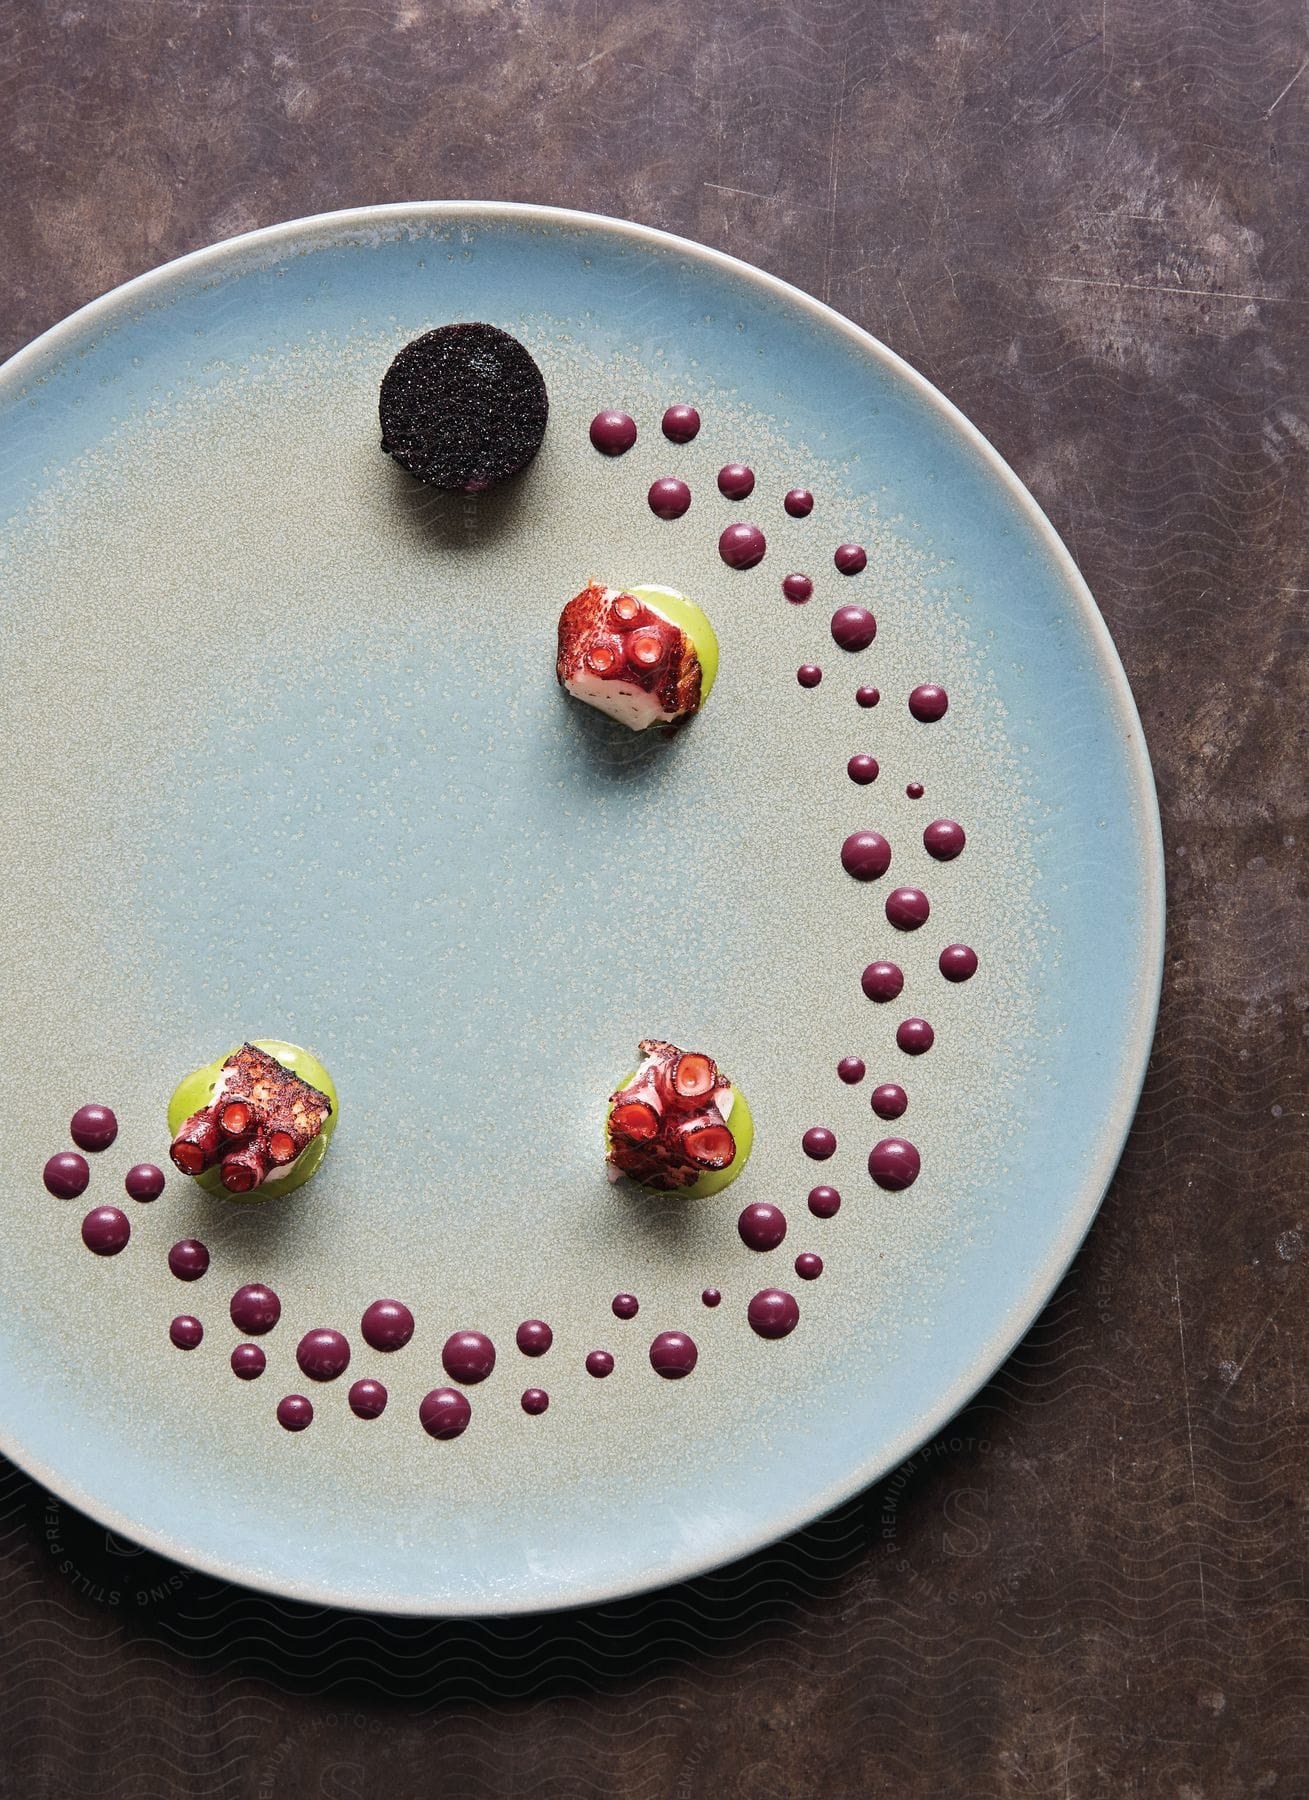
[[285, 757]]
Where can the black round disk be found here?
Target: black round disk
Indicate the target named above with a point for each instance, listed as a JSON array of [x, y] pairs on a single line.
[[463, 407]]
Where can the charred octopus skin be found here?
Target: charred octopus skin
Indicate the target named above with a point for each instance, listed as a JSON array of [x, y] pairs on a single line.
[[643, 655], [668, 1123], [258, 1119]]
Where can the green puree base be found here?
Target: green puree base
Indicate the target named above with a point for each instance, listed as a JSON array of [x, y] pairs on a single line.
[[197, 1089]]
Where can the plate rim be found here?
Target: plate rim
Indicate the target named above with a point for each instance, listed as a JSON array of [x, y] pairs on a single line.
[[1009, 1331]]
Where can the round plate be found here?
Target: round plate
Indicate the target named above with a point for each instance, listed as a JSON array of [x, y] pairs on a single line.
[[286, 757]]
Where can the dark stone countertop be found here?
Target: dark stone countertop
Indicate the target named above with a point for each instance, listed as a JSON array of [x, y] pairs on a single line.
[[1085, 223]]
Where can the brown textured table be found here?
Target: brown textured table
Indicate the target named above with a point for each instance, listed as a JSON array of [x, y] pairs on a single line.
[[1086, 224]]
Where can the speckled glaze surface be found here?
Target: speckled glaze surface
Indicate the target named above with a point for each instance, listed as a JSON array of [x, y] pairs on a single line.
[[285, 756]]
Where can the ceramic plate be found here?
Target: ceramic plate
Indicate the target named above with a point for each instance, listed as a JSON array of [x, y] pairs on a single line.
[[285, 757]]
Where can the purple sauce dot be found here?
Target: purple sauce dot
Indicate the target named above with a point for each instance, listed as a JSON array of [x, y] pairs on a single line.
[[867, 696], [824, 1202], [888, 1100], [852, 1070], [865, 855], [444, 1413], [799, 502], [797, 588], [625, 1306], [322, 1354], [761, 1226], [680, 424], [850, 559], [893, 1164], [188, 1259], [534, 1337], [93, 1127], [907, 908], [710, 1296], [944, 839], [773, 1313], [367, 1399], [809, 675], [255, 1309], [612, 433], [535, 1400], [186, 1331], [668, 497], [914, 789], [387, 1325], [66, 1175], [294, 1412], [599, 1363], [144, 1181], [853, 627], [105, 1230], [818, 1142], [914, 1036], [863, 769], [248, 1362], [928, 702], [958, 962], [468, 1356], [673, 1354], [742, 546], [808, 1265], [882, 980], [735, 481]]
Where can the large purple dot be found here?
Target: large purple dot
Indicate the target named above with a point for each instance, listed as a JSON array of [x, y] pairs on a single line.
[[893, 1164], [742, 546], [367, 1399], [865, 855], [799, 502], [387, 1325], [66, 1175], [186, 1331], [294, 1412], [612, 433], [248, 1362], [928, 702], [255, 1309], [862, 769], [188, 1259], [624, 1306], [773, 1313], [850, 559], [444, 1413], [907, 908], [914, 1036], [93, 1127], [888, 1100], [105, 1230], [824, 1202], [819, 1143], [144, 1181], [867, 696], [882, 980], [809, 675], [668, 497], [673, 1354], [853, 627], [680, 424], [944, 839], [322, 1354], [534, 1337], [599, 1363], [735, 481], [468, 1356], [958, 962], [762, 1226]]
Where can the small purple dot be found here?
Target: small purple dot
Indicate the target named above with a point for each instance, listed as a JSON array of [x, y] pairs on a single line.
[[735, 481], [535, 1400], [66, 1175], [914, 1036], [819, 1143], [367, 1399], [808, 1265], [144, 1181], [850, 559], [799, 502], [867, 696], [186, 1331], [824, 1202], [680, 424], [742, 546], [669, 497], [914, 790], [255, 1309], [928, 703], [105, 1230], [625, 1306], [797, 588], [599, 1363], [809, 675], [958, 962], [612, 433], [711, 1296], [882, 980], [468, 1356], [248, 1362], [534, 1337], [294, 1412], [889, 1100], [188, 1259], [851, 1069], [673, 1354], [93, 1127], [863, 769], [907, 908], [944, 839]]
